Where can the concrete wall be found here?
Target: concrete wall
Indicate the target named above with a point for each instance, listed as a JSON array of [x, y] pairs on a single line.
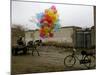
[[93, 37], [36, 35], [29, 36], [63, 35]]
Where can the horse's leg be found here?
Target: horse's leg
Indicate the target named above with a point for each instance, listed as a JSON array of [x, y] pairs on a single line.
[[33, 51], [24, 50], [27, 50], [37, 51], [16, 51]]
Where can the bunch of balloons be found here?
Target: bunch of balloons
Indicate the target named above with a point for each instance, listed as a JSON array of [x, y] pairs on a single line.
[[48, 22]]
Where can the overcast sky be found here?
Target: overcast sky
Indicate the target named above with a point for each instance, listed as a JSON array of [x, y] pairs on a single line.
[[69, 15]]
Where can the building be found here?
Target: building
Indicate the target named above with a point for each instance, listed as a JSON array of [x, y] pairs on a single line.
[[29, 36], [83, 38], [71, 36], [93, 36], [15, 33]]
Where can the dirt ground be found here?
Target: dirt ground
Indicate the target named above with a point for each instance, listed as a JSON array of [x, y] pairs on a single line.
[[51, 59]]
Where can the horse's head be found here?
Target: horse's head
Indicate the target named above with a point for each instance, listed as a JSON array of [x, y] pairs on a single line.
[[38, 42]]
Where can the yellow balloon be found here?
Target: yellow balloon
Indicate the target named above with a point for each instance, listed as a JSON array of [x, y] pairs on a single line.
[[46, 29], [50, 12], [53, 15], [54, 18], [51, 29]]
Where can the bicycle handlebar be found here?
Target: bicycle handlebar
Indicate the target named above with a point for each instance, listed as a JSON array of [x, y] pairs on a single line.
[[74, 50]]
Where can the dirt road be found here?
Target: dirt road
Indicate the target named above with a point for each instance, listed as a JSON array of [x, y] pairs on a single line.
[[51, 59]]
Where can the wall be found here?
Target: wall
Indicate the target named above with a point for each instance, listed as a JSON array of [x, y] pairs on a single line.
[[64, 35], [29, 36], [15, 33]]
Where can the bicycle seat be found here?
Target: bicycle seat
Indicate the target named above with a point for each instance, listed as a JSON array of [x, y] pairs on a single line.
[[83, 52]]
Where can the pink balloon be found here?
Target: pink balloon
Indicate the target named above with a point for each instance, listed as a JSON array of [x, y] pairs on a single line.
[[53, 7]]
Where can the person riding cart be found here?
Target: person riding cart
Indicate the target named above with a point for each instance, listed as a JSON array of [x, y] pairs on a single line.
[[20, 47]]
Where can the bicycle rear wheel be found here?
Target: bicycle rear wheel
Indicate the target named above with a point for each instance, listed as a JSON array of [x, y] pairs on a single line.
[[69, 61], [92, 62]]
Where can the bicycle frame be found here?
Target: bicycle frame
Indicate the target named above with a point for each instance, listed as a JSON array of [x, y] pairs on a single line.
[[74, 55], [82, 59]]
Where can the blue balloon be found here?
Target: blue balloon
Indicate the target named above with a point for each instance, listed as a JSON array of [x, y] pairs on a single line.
[[56, 28], [57, 25], [39, 16], [38, 24]]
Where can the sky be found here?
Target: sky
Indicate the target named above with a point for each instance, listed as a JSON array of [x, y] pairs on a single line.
[[69, 15]]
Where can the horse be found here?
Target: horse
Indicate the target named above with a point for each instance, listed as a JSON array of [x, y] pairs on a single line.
[[33, 46], [25, 48]]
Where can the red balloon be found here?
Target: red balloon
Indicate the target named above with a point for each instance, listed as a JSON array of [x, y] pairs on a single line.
[[48, 19], [42, 20], [50, 34], [49, 25], [42, 35], [42, 31]]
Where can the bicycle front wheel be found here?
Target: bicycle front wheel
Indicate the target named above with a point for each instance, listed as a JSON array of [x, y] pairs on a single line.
[[69, 61]]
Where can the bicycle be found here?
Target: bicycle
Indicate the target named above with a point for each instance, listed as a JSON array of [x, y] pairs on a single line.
[[88, 59]]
